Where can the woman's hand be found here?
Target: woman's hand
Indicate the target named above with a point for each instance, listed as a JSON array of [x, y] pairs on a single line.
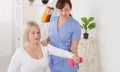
[[44, 42], [76, 60]]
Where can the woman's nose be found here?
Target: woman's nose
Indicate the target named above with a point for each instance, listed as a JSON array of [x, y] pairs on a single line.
[[37, 35], [63, 13]]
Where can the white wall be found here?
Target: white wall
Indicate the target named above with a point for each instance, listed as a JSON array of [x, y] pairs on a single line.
[[35, 12], [108, 35], [6, 24], [107, 16], [85, 8]]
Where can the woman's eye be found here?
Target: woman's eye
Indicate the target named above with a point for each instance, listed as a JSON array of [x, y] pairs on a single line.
[[38, 32], [33, 32], [66, 10]]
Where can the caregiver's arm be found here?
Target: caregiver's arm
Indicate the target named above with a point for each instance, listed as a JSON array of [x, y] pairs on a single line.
[[74, 46], [74, 50]]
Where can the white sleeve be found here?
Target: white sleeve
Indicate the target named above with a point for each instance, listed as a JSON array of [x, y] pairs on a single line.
[[47, 69], [14, 65], [59, 52]]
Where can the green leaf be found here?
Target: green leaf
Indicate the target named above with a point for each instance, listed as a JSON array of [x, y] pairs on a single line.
[[92, 26], [85, 21], [85, 27], [81, 26], [91, 19]]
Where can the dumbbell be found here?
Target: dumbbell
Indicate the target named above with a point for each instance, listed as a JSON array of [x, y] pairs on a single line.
[[71, 61]]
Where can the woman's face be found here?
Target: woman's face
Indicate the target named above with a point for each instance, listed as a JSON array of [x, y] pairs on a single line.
[[34, 34], [65, 12]]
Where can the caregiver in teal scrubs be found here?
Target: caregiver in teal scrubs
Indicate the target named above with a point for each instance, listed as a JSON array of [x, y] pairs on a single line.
[[64, 32]]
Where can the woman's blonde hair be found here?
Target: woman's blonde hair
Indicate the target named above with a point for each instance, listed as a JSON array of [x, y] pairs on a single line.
[[27, 28]]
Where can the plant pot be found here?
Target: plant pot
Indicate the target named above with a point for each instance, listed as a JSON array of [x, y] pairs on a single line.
[[85, 35], [31, 2], [45, 1]]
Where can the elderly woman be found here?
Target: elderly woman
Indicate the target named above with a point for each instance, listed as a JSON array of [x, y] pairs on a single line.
[[32, 56]]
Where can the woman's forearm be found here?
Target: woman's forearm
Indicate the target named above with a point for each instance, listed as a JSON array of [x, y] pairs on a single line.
[[74, 46], [59, 52], [74, 51]]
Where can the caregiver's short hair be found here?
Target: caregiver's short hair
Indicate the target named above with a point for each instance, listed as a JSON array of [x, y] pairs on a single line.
[[27, 28]]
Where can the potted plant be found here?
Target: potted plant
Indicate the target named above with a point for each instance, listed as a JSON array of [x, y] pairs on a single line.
[[88, 24]]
